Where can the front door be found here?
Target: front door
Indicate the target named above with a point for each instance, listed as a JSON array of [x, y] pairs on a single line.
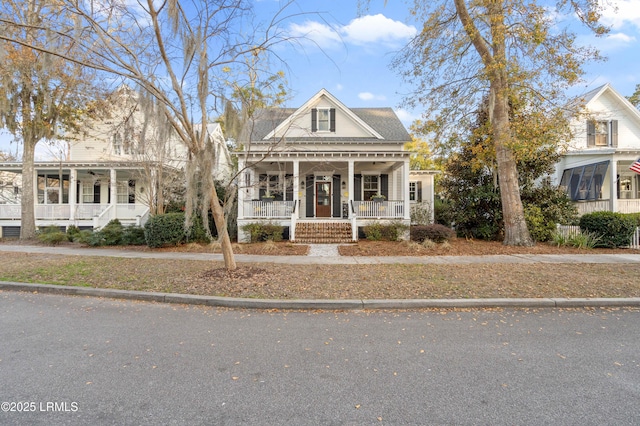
[[323, 199]]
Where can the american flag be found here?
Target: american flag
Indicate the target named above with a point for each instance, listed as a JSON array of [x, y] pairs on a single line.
[[635, 166]]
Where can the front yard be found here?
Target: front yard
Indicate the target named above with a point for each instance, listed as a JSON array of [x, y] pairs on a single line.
[[397, 281]]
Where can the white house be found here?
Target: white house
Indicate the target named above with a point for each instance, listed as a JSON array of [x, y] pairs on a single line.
[[325, 170], [595, 169], [111, 172]]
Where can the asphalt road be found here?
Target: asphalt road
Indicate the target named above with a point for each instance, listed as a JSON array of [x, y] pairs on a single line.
[[77, 360]]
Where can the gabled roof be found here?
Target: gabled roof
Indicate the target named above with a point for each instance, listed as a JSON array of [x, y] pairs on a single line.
[[381, 124], [591, 96]]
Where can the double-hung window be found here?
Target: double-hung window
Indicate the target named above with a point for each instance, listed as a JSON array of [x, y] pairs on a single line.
[[370, 186], [323, 120], [602, 133], [415, 191]]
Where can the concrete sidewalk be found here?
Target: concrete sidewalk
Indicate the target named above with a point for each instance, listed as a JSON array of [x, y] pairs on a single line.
[[325, 258], [326, 255]]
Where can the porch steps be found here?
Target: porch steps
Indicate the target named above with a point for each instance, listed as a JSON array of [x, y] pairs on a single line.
[[323, 232]]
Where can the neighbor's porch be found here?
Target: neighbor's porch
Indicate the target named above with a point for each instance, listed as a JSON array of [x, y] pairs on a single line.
[[603, 183], [73, 195]]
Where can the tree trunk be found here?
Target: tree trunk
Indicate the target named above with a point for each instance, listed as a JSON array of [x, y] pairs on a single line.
[[27, 215], [516, 232], [223, 232]]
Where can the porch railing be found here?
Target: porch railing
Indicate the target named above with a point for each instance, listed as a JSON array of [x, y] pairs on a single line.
[[267, 209], [377, 209], [629, 206], [53, 211], [585, 207], [624, 206], [10, 211], [105, 212], [88, 211]]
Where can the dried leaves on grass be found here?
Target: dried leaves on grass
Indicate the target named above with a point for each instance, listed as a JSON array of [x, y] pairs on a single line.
[[266, 280]]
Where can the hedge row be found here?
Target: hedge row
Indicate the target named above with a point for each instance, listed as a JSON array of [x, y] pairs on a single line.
[[613, 229]]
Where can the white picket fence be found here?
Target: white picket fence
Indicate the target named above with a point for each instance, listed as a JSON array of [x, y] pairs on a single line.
[[567, 231]]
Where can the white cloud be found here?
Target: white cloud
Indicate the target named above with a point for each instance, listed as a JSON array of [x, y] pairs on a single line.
[[628, 12], [366, 30], [339, 87], [316, 33], [608, 44], [368, 96], [621, 38], [376, 29]]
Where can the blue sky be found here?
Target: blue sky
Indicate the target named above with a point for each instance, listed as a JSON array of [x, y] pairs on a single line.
[[352, 49], [361, 45]]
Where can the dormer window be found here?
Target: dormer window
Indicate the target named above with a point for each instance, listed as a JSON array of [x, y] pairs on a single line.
[[602, 133], [117, 144], [323, 120]]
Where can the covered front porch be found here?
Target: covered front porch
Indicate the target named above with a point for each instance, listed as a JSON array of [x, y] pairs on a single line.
[[295, 188], [602, 181], [84, 195]]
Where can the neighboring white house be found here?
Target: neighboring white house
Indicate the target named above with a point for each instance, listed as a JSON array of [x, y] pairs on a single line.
[[324, 170], [111, 172], [595, 169]]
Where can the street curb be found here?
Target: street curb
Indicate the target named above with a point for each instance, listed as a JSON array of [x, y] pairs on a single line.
[[327, 304]]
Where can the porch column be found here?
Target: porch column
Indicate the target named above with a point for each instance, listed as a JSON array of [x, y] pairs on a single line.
[[73, 187], [242, 187], [296, 183], [613, 188], [113, 186], [405, 185], [296, 198], [252, 184], [350, 187]]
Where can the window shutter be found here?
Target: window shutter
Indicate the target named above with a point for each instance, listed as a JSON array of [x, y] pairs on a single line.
[[262, 188], [384, 186], [614, 133], [96, 193], [132, 192], [289, 187], [591, 133], [357, 187], [314, 120], [332, 120], [336, 196], [419, 191], [310, 194]]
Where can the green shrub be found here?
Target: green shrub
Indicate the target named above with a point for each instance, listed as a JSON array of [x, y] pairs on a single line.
[[380, 232], [263, 231], [197, 233], [373, 232], [51, 235], [72, 233], [133, 236], [84, 237], [614, 229], [635, 217], [584, 240], [539, 228], [436, 233], [421, 213], [165, 229], [112, 233]]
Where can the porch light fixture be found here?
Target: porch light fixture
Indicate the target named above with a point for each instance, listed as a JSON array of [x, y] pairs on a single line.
[[302, 184], [344, 184]]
